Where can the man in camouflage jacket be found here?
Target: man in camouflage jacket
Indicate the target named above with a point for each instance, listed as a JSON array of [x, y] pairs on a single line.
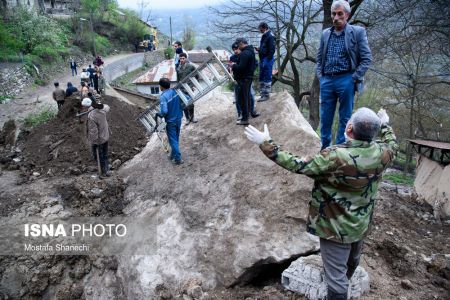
[[183, 70], [346, 179]]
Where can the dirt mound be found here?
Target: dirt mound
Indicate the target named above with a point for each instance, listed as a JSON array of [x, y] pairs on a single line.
[[60, 146]]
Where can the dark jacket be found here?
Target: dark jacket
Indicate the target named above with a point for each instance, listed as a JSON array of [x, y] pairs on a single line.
[[357, 47], [267, 46], [70, 90], [245, 67]]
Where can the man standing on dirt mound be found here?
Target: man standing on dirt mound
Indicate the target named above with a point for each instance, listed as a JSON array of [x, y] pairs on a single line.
[[346, 179], [171, 111], [97, 131]]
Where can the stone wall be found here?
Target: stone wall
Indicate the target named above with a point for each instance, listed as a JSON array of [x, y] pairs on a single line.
[[153, 58], [13, 79]]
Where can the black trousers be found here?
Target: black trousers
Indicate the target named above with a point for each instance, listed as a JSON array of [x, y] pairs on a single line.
[[244, 86], [189, 112], [60, 104], [103, 155]]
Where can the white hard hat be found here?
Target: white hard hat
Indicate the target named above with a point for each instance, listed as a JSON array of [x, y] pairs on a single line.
[[86, 102]]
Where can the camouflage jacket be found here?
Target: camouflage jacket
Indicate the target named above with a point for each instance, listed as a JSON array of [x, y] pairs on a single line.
[[184, 70], [346, 179]]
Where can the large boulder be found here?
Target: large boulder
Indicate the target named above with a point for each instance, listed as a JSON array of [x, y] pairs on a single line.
[[432, 186], [228, 211]]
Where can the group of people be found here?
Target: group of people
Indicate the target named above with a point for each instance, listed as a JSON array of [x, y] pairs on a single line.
[[92, 87], [347, 174], [243, 64]]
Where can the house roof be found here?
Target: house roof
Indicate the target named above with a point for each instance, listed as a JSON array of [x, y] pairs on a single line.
[[165, 69], [431, 144], [200, 56]]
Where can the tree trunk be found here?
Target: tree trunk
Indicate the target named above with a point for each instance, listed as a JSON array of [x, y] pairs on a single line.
[[314, 102], [41, 6]]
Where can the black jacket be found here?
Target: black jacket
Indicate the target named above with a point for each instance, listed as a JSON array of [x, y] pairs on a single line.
[[246, 65], [267, 46]]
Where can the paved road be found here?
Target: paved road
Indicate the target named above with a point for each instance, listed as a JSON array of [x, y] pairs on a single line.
[[35, 100]]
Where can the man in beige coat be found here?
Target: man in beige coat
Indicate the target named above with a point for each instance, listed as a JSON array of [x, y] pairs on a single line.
[[97, 131]]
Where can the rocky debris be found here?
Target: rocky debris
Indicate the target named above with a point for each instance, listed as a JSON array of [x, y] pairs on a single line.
[[86, 196], [13, 79], [305, 276], [406, 284]]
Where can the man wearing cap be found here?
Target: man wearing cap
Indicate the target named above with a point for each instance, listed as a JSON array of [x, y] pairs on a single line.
[[243, 72], [171, 111], [342, 60], [266, 53], [59, 95], [346, 179], [97, 132]]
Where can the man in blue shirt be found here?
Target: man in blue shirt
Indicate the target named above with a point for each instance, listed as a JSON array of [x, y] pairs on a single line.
[[266, 53], [342, 60], [171, 111]]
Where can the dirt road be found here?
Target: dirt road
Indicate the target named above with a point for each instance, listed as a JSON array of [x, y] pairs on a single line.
[[34, 99]]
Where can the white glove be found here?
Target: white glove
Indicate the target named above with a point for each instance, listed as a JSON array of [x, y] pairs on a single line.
[[257, 136], [383, 116]]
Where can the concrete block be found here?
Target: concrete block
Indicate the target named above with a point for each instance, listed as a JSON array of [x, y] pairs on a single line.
[[305, 276]]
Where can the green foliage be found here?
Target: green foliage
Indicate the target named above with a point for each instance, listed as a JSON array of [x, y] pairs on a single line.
[[4, 99], [41, 117], [102, 44], [169, 53], [32, 33], [400, 178], [9, 46]]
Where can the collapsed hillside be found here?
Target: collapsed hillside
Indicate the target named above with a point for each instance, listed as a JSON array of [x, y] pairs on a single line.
[[229, 219]]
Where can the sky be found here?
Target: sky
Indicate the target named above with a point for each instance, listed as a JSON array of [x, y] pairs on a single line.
[[166, 4]]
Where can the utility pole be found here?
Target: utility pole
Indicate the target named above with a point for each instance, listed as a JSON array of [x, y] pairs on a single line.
[[171, 39]]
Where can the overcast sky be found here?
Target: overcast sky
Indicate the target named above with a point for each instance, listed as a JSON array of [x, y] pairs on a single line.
[[166, 4]]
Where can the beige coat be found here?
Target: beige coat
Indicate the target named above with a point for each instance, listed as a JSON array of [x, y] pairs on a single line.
[[97, 128]]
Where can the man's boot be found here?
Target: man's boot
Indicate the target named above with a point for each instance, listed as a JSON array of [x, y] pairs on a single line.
[[263, 92]]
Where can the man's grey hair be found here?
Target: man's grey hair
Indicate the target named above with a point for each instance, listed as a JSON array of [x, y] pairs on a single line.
[[341, 3], [366, 124]]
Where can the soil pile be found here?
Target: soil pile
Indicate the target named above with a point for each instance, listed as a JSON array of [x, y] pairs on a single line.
[[60, 146]]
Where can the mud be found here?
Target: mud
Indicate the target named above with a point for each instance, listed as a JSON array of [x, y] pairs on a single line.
[[60, 146]]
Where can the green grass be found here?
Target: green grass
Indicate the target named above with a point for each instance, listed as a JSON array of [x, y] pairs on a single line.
[[4, 98], [400, 178], [39, 118]]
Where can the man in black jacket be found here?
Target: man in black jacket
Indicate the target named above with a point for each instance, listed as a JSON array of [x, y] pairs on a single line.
[[243, 72], [266, 53]]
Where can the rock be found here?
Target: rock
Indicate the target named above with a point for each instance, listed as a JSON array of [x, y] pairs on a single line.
[[53, 210], [195, 292], [9, 133], [241, 226], [96, 192], [75, 171], [116, 164], [36, 174], [406, 284], [305, 276]]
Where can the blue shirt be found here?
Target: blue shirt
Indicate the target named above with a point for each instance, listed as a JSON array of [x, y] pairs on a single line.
[[337, 59], [170, 106]]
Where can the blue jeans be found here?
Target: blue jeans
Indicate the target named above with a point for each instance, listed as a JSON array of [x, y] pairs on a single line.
[[103, 156], [74, 71], [252, 99], [265, 70], [332, 89], [173, 134]]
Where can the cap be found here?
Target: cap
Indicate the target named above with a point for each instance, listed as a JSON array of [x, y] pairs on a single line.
[[86, 102]]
